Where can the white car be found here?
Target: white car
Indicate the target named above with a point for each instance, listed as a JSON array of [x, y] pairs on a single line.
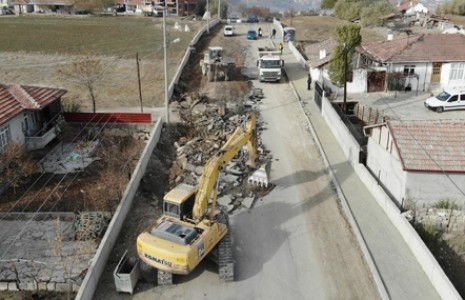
[[448, 99], [228, 30]]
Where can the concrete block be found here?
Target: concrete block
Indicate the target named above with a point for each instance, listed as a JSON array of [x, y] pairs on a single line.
[[76, 287], [224, 200], [31, 286], [51, 286], [12, 286], [3, 286], [63, 287], [42, 286], [248, 202]]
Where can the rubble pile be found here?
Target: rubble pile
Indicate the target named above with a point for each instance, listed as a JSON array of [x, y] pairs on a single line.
[[210, 124]]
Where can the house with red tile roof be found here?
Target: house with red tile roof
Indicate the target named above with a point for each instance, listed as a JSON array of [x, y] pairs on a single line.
[[28, 115], [416, 62], [419, 162]]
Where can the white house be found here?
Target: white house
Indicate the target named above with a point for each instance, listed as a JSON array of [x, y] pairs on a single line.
[[28, 115], [319, 58], [417, 62], [419, 162]]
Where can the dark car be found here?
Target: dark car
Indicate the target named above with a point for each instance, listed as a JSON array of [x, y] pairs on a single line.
[[252, 35], [252, 19]]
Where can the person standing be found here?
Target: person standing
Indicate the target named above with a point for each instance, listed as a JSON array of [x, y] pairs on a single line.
[[309, 82], [281, 47], [273, 33], [259, 32]]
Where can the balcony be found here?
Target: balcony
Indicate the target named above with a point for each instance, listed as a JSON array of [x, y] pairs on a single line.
[[39, 142]]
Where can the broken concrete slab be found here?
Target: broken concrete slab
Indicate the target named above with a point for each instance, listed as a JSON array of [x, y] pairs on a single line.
[[248, 202]]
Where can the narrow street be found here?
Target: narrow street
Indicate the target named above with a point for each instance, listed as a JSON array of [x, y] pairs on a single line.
[[293, 243]]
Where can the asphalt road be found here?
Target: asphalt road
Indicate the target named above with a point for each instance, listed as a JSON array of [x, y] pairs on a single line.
[[295, 242]]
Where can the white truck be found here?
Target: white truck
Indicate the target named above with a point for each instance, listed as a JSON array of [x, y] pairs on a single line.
[[269, 64]]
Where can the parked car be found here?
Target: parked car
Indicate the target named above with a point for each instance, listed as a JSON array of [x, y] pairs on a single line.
[[252, 34], [448, 99], [252, 19], [228, 30], [234, 19]]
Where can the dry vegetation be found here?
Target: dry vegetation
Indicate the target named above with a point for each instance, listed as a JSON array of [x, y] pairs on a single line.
[[34, 48]]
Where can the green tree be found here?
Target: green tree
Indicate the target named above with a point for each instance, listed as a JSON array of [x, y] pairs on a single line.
[[371, 14], [328, 4], [348, 38], [455, 7], [349, 10], [213, 7]]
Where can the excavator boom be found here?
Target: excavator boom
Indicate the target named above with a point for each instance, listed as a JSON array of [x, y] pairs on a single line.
[[240, 137]]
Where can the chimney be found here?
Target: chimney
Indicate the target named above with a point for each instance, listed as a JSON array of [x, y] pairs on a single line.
[[322, 53], [390, 36]]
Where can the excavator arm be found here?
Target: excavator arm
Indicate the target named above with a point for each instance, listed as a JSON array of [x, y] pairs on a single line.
[[242, 135]]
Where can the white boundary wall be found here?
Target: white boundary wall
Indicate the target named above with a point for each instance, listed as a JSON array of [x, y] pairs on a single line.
[[351, 149], [99, 261], [427, 261], [97, 266]]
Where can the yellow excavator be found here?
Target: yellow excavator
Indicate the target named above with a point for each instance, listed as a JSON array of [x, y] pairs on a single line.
[[191, 228]]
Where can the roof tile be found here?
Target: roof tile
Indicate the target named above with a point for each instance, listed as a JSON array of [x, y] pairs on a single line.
[[16, 99], [430, 145]]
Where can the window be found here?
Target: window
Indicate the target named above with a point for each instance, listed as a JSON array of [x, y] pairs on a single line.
[[5, 137], [453, 98], [456, 71], [409, 70]]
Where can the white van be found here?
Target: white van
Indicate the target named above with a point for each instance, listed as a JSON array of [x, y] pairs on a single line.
[[448, 99]]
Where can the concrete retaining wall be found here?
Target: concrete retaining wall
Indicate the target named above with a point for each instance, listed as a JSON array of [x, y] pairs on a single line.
[[185, 59], [347, 142], [95, 270], [427, 261]]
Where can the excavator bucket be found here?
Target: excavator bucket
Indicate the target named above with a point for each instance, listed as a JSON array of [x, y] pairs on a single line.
[[261, 177]]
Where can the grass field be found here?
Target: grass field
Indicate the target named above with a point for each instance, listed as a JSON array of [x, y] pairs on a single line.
[[108, 36]]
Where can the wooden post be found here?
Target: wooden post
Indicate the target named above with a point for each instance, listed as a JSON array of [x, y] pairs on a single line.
[[138, 80]]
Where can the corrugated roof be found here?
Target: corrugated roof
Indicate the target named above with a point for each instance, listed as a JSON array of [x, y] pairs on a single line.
[[419, 48], [435, 146], [15, 99]]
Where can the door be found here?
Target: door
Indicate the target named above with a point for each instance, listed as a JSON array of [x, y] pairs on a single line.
[[375, 81], [436, 75]]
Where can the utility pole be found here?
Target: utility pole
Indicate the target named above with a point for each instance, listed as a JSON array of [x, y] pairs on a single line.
[[138, 80], [345, 79], [166, 68], [219, 10], [206, 14]]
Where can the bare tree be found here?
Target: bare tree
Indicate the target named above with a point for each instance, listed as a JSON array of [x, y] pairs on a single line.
[[87, 73], [16, 165]]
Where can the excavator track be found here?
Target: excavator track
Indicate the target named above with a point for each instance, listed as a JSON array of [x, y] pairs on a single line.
[[164, 278], [225, 252]]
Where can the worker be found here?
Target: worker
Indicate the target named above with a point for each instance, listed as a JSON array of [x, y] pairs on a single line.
[[281, 47], [273, 33], [309, 82]]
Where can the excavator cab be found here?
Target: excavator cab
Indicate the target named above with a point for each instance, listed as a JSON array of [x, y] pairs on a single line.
[[178, 202], [215, 53]]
